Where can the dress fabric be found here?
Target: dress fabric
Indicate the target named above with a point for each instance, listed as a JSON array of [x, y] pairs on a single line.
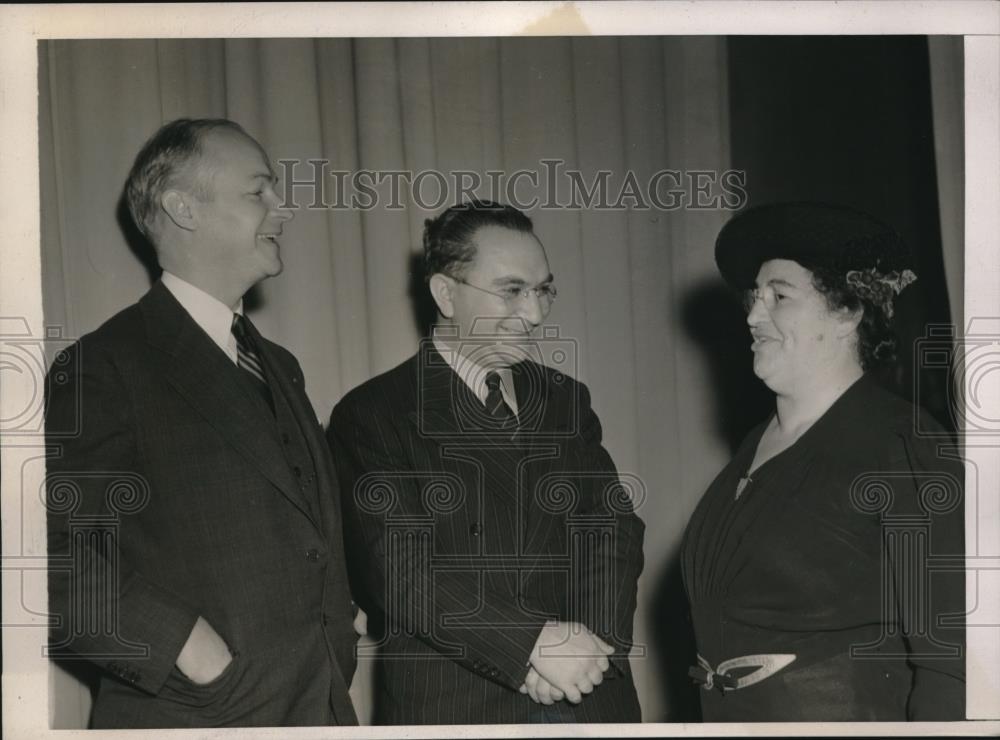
[[845, 550]]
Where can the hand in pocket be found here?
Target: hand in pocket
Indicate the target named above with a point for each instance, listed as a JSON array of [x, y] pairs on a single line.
[[205, 655]]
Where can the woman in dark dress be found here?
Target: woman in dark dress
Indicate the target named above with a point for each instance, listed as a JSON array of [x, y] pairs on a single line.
[[816, 565]]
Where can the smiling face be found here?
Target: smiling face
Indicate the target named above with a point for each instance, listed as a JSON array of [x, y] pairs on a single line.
[[238, 219], [493, 318], [797, 340]]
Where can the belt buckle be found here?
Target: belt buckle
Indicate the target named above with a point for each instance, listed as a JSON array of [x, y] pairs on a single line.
[[718, 678]]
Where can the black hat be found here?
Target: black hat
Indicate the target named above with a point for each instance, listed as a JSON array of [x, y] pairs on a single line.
[[812, 234]]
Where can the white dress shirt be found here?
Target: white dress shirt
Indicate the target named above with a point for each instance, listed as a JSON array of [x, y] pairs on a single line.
[[474, 375], [212, 315]]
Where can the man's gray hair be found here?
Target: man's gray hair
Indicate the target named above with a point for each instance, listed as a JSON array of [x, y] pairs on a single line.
[[161, 160]]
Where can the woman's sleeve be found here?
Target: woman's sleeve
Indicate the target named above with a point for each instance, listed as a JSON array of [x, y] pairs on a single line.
[[929, 575]]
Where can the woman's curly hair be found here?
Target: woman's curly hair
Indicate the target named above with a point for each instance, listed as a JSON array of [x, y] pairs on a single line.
[[876, 336]]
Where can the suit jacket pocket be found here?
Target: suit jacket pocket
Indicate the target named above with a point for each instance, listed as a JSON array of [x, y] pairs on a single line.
[[183, 690]]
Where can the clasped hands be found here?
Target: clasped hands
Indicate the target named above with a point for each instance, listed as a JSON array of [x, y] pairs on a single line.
[[567, 661]]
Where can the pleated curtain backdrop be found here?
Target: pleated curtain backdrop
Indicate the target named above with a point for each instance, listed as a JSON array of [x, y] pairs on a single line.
[[344, 304]]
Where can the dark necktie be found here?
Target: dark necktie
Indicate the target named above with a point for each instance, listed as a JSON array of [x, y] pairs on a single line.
[[495, 405], [248, 359]]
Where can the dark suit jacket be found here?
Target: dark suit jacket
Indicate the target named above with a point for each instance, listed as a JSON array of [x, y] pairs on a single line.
[[176, 500], [467, 539]]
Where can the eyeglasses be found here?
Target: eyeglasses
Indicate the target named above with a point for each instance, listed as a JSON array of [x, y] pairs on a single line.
[[546, 294], [766, 294]]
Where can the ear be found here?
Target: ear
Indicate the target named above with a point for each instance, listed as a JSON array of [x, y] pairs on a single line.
[[849, 321], [177, 205], [442, 289]]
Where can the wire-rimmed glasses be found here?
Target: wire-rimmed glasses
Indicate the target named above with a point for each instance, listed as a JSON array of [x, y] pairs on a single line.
[[546, 294]]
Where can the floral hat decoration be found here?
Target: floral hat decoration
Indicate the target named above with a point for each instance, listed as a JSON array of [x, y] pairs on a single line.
[[871, 255]]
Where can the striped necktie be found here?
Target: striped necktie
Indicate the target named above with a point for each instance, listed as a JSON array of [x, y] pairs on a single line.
[[247, 358], [496, 406]]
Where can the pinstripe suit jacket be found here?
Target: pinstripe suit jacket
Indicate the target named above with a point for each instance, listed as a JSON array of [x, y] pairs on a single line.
[[176, 499], [463, 540]]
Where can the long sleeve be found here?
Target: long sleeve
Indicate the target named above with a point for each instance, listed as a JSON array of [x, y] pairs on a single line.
[[930, 582], [392, 573], [104, 610], [609, 573]]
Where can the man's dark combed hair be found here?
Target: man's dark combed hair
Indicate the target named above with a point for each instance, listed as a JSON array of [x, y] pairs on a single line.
[[161, 159], [448, 239]]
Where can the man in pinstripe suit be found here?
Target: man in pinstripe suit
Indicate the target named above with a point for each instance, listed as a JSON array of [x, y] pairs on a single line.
[[488, 534], [194, 526]]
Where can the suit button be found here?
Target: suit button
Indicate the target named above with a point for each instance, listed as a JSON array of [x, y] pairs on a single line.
[[285, 438], [494, 673], [312, 555], [475, 530], [298, 471]]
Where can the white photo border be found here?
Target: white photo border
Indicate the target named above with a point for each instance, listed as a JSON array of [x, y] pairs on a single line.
[[26, 709]]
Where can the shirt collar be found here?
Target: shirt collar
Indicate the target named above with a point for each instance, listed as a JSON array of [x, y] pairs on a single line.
[[474, 375], [213, 316]]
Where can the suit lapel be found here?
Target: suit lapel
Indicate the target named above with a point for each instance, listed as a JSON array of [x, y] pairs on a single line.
[[543, 425], [444, 420], [534, 407], [290, 386], [450, 415], [444, 401], [452, 420], [447, 407], [199, 371]]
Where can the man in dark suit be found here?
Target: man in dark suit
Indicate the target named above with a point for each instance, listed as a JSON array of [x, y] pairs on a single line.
[[196, 552], [492, 543]]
